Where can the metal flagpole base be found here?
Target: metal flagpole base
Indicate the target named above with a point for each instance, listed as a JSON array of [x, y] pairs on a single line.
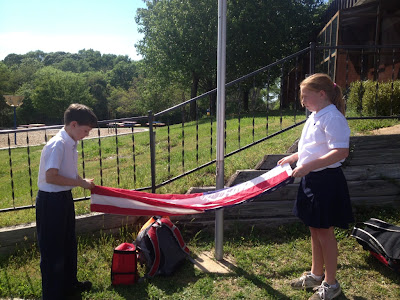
[[219, 234]]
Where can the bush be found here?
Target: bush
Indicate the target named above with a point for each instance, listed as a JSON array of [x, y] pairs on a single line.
[[367, 99]]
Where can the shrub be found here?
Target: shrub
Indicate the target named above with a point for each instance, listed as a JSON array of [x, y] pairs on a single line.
[[368, 99]]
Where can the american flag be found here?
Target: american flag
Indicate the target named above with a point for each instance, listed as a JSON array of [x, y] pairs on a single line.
[[130, 202]]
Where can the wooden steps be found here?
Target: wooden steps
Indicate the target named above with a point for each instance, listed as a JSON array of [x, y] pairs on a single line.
[[372, 171]]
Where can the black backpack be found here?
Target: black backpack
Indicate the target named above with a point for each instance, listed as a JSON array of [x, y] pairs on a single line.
[[160, 247], [381, 239]]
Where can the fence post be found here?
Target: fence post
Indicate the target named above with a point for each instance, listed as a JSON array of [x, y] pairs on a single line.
[[152, 153]]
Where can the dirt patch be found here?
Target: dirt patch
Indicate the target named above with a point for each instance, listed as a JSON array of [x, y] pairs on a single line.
[[39, 137], [387, 130]]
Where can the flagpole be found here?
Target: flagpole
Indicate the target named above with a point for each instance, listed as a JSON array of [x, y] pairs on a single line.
[[221, 67]]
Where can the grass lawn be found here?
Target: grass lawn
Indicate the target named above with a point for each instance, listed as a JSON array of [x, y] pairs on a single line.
[[266, 261]]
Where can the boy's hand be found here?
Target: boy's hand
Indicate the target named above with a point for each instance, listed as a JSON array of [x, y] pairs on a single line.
[[88, 183]]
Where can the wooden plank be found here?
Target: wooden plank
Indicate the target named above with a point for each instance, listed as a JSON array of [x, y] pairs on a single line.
[[372, 172], [375, 141], [374, 188], [209, 225], [365, 188], [261, 209], [390, 201], [361, 181], [382, 156], [243, 176], [269, 161]]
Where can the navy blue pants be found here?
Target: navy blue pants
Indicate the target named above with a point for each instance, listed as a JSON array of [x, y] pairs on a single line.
[[55, 225]]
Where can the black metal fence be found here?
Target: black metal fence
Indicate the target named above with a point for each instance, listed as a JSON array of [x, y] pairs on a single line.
[[149, 152]]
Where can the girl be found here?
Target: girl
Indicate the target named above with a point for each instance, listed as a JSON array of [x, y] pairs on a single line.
[[323, 200]]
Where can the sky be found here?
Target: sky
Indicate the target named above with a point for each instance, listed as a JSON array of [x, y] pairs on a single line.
[[107, 26]]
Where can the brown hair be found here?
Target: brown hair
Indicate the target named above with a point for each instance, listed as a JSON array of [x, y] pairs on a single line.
[[81, 114], [322, 82]]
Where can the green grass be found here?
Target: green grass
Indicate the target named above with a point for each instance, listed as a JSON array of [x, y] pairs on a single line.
[[266, 260]]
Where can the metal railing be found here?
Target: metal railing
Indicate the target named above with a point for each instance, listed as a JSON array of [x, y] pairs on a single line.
[[179, 141]]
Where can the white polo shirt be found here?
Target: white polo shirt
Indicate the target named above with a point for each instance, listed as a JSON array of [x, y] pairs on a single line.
[[59, 153], [322, 132]]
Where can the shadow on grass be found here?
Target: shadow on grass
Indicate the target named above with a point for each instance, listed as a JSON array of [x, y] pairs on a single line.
[[261, 284], [385, 271], [200, 285]]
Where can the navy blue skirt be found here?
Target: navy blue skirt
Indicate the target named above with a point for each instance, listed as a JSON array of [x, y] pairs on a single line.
[[323, 200]]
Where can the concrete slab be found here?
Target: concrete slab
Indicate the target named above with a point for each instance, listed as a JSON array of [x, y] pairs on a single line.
[[207, 263]]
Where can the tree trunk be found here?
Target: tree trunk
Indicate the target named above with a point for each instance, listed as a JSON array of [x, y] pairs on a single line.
[[246, 100], [212, 97], [193, 93]]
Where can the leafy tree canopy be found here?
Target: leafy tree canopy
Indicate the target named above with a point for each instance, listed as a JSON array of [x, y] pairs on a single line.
[[180, 36], [54, 90]]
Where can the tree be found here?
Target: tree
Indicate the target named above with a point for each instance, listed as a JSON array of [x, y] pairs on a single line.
[[147, 94], [180, 39], [122, 74], [4, 88], [50, 77], [92, 58], [13, 59], [98, 89], [119, 104], [27, 113], [261, 32], [69, 64], [23, 72], [55, 90]]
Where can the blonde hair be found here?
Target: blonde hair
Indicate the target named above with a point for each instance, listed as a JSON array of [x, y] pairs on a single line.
[[322, 82]]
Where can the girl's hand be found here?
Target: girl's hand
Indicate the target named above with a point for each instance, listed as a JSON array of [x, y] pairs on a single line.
[[282, 161], [288, 159], [300, 171], [331, 157]]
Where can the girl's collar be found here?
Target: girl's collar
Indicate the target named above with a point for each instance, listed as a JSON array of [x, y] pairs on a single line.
[[324, 110]]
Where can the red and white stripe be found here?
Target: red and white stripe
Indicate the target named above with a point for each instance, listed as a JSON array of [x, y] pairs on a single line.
[[130, 202]]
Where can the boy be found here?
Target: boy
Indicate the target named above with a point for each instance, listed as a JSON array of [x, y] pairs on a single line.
[[55, 212]]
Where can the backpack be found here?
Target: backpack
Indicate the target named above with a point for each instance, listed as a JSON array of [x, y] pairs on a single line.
[[160, 247], [381, 239]]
